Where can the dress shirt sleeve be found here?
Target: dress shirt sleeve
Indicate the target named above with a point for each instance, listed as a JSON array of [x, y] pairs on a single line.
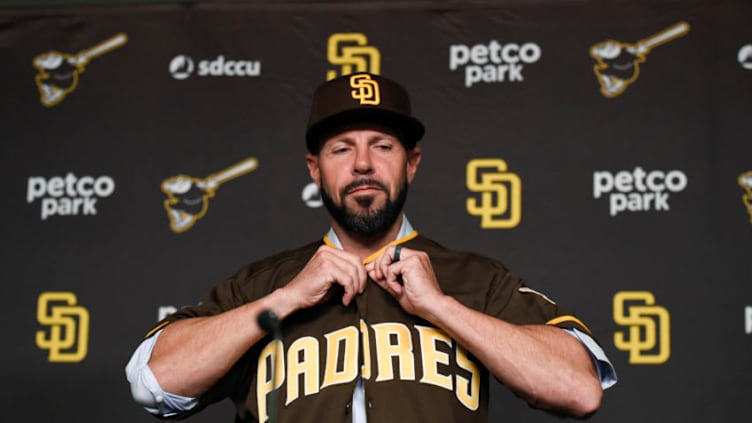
[[606, 371], [145, 388]]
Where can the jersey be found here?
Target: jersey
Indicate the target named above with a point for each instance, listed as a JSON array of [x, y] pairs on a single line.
[[412, 371]]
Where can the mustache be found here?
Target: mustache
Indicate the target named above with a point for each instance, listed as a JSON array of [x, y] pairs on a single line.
[[362, 182]]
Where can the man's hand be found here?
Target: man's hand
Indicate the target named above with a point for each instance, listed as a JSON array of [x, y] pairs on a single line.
[[328, 266], [543, 364], [411, 280]]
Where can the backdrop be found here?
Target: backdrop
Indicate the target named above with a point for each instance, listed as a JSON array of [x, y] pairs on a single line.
[[600, 150]]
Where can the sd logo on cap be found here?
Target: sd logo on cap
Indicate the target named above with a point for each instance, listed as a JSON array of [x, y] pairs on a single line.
[[361, 97]]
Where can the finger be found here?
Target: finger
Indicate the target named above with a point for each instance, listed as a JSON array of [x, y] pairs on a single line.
[[356, 272], [362, 275], [397, 257], [394, 272], [342, 270], [344, 277], [394, 289], [386, 259], [396, 253]]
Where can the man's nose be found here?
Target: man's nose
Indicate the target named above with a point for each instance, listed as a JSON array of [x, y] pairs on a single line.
[[363, 165]]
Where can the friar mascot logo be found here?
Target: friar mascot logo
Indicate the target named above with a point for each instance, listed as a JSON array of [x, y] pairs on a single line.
[[58, 72], [618, 63], [188, 197]]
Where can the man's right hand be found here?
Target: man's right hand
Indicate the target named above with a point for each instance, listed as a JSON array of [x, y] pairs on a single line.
[[191, 355], [328, 267]]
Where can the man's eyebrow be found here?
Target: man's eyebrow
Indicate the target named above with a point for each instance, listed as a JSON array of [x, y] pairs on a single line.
[[342, 138], [377, 137]]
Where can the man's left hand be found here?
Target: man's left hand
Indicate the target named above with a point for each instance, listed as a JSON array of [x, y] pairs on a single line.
[[410, 280]]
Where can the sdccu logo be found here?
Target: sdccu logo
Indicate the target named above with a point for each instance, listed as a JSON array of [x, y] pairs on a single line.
[[638, 190], [494, 62], [500, 205], [649, 340], [311, 196], [69, 196], [182, 66], [745, 56], [68, 340]]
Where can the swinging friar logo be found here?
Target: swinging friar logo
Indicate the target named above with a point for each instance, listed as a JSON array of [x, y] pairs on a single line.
[[745, 181], [58, 72], [493, 62], [182, 66], [638, 190], [188, 197], [618, 63], [69, 195]]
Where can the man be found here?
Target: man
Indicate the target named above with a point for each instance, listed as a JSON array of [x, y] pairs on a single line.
[[379, 323]]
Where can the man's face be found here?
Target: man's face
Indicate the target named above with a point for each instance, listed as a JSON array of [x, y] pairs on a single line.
[[363, 172]]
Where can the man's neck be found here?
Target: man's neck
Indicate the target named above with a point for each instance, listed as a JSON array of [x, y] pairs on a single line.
[[365, 245]]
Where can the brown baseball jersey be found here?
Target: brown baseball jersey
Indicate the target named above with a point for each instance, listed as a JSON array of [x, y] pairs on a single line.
[[412, 370]]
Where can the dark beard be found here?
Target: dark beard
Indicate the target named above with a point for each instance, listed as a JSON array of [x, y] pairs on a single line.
[[371, 222]]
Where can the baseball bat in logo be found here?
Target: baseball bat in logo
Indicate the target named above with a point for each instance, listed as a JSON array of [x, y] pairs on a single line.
[[745, 181], [618, 63], [649, 340], [188, 197], [352, 53], [68, 340], [58, 72]]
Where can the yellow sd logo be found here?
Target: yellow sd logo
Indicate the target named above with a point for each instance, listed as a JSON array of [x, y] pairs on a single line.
[[745, 181], [644, 334], [365, 90], [351, 52], [68, 323], [500, 194]]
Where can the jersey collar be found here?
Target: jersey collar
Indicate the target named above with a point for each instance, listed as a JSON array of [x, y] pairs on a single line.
[[405, 234]]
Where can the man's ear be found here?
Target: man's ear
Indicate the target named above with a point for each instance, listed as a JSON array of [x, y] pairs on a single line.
[[313, 168], [413, 160]]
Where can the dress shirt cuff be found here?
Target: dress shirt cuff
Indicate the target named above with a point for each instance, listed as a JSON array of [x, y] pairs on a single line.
[[606, 371], [145, 388]]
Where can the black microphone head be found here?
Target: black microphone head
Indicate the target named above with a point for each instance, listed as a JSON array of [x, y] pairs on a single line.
[[268, 321]]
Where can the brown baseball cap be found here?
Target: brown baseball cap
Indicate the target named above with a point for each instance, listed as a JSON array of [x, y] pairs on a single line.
[[361, 98]]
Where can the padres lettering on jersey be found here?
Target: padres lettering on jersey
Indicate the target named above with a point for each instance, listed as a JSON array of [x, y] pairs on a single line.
[[299, 365]]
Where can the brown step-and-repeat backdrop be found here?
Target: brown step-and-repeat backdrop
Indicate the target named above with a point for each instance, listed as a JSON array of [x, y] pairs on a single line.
[[601, 150]]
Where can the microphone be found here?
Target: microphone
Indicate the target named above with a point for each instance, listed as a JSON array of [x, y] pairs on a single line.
[[270, 323]]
